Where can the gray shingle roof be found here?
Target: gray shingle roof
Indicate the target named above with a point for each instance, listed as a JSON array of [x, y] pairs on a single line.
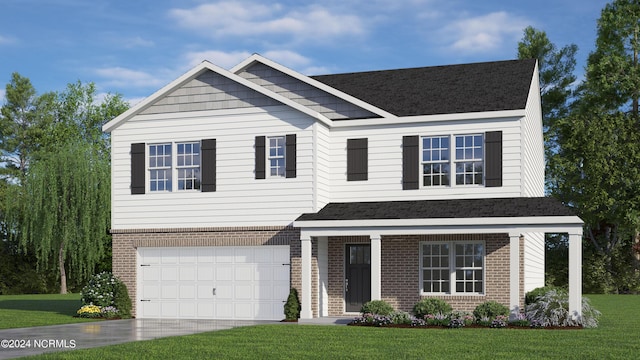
[[439, 209], [489, 86]]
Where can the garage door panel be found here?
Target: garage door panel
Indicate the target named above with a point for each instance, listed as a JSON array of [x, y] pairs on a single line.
[[250, 282]]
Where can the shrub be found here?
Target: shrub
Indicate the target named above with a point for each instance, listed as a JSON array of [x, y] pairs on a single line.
[[490, 310], [520, 321], [89, 311], [462, 316], [377, 307], [438, 319], [292, 306], [109, 312], [105, 289], [552, 309], [531, 296], [372, 319], [401, 318], [121, 300], [431, 306], [499, 322]]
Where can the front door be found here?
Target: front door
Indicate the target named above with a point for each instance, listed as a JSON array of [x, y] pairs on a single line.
[[358, 276]]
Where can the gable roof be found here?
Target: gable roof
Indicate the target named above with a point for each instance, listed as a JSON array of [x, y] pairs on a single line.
[[440, 209], [478, 87]]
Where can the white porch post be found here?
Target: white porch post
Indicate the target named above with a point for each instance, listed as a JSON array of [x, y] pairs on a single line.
[[376, 268], [306, 312], [575, 274], [514, 273]]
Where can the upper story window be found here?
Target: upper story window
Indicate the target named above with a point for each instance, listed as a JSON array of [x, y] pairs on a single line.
[[439, 159], [452, 267], [186, 170], [188, 166], [276, 156], [160, 167]]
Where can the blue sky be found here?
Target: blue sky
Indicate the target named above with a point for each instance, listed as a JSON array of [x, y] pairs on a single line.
[[134, 47]]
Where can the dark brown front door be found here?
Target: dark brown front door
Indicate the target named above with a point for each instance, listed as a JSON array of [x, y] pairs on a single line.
[[358, 276]]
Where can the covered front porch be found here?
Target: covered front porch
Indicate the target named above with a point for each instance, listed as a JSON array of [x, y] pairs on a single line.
[[406, 227]]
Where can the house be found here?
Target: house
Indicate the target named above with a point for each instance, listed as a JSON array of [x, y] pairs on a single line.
[[231, 186]]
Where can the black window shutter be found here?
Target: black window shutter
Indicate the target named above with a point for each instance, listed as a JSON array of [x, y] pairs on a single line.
[[410, 162], [493, 161], [357, 159], [260, 157], [138, 168], [208, 165], [290, 156]]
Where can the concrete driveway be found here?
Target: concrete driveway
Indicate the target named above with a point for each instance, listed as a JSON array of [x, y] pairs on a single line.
[[38, 340]]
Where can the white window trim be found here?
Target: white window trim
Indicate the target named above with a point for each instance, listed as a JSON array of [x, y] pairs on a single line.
[[452, 268], [174, 167], [268, 157], [452, 161]]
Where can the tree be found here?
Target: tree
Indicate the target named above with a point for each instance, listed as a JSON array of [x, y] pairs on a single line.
[[599, 157], [24, 121], [64, 211]]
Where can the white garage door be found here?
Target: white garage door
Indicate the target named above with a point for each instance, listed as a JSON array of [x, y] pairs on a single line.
[[240, 283]]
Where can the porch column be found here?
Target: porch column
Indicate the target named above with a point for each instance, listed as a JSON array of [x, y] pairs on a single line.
[[306, 312], [376, 268], [575, 274], [514, 273]]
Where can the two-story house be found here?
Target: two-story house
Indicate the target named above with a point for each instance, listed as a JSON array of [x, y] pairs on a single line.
[[231, 186]]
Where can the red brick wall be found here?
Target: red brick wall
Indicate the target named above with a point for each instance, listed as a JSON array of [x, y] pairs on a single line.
[[126, 242], [400, 270]]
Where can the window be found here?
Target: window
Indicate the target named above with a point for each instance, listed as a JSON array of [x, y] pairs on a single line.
[[188, 165], [276, 156], [160, 167], [436, 169], [452, 267], [469, 152], [438, 160], [186, 169]]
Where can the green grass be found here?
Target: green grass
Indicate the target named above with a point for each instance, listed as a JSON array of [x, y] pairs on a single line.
[[18, 311], [617, 337]]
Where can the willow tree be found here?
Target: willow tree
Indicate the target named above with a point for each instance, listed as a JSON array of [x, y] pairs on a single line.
[[65, 209]]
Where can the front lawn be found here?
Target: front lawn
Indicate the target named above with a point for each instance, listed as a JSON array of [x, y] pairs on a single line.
[[615, 338], [18, 311]]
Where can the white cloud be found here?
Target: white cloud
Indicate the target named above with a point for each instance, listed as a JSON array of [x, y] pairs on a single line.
[[254, 19], [119, 76], [136, 42], [223, 59], [6, 40], [483, 33], [2, 99]]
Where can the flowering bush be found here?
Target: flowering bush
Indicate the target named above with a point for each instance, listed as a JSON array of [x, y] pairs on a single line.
[[438, 319], [466, 318], [106, 290], [401, 318], [490, 309], [372, 319], [499, 322], [89, 311], [431, 306], [109, 312], [520, 320]]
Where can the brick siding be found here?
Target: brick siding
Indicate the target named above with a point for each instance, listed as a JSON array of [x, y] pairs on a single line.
[[401, 274], [126, 242]]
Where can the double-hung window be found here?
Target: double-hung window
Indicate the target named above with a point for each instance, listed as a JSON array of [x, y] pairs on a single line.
[[183, 164], [276, 156], [160, 167], [452, 267], [439, 158]]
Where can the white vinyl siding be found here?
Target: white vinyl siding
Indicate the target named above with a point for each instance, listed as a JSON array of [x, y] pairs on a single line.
[[240, 200], [533, 162], [385, 162], [534, 261]]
